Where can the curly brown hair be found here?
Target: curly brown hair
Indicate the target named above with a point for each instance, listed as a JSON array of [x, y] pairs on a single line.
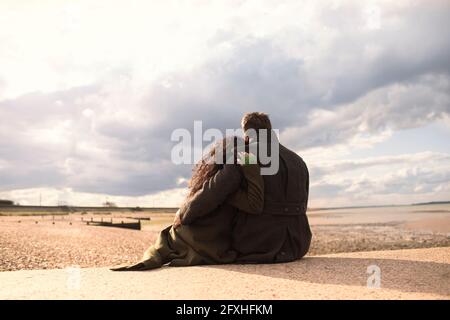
[[206, 168]]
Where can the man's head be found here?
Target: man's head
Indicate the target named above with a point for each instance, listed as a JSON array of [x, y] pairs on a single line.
[[257, 126], [256, 121]]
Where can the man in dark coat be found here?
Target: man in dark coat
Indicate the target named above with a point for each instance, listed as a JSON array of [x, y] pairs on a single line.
[[281, 233]]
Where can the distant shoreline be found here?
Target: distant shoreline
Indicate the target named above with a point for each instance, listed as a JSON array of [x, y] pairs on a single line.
[[381, 206], [174, 209]]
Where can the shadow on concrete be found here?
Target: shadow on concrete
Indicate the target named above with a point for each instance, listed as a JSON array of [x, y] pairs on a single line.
[[401, 275]]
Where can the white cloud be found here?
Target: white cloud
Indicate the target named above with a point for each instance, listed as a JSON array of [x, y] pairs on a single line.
[[67, 196], [407, 178]]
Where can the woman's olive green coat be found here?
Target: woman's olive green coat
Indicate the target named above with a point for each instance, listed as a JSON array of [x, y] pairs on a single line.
[[205, 235]]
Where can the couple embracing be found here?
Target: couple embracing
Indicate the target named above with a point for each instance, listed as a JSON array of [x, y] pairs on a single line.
[[234, 213]]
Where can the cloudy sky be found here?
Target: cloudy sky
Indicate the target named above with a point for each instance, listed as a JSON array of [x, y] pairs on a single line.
[[90, 92]]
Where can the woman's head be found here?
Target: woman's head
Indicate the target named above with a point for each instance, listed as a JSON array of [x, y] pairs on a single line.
[[213, 161]]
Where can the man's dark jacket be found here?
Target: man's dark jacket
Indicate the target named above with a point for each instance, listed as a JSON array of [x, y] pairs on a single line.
[[279, 230]]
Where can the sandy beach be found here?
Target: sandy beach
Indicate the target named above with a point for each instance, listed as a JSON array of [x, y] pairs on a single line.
[[46, 242]]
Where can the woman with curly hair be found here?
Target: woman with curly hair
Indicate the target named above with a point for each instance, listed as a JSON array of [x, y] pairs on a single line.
[[202, 229]]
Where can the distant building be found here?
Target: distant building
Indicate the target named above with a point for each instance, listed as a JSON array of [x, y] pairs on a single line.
[[6, 202], [109, 204]]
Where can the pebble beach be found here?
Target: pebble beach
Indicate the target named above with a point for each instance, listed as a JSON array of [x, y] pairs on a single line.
[[38, 242]]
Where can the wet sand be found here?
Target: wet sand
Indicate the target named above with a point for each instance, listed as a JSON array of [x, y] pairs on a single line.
[[435, 225]]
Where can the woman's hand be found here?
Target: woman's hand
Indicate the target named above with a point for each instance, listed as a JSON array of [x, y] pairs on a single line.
[[177, 220], [245, 158]]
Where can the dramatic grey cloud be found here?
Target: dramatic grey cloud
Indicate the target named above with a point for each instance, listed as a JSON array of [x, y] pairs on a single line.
[[91, 107], [415, 103]]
